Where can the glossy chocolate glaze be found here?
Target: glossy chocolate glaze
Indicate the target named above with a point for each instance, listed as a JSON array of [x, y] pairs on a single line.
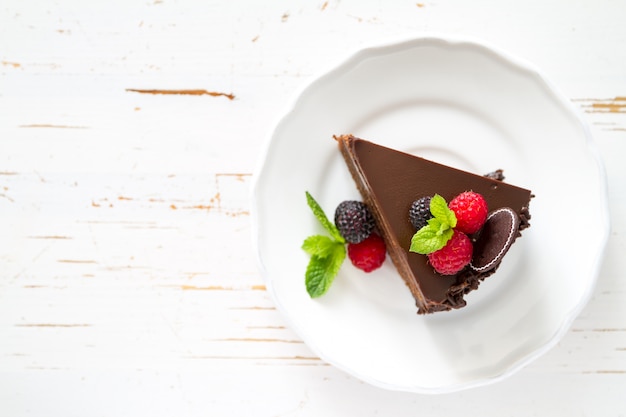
[[389, 181]]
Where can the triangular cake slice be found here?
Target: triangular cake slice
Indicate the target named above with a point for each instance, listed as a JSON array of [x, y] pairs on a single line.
[[389, 181]]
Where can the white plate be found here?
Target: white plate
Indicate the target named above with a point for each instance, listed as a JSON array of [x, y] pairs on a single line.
[[461, 103]]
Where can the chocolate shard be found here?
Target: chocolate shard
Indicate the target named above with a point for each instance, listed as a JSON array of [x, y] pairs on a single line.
[[496, 237], [498, 174]]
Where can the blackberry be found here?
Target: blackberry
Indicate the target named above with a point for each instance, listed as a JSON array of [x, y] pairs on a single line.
[[419, 213], [354, 221]]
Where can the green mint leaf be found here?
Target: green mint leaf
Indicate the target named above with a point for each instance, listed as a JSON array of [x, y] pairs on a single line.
[[438, 226], [321, 216], [439, 209], [439, 229], [321, 271], [438, 206], [318, 245], [431, 238], [327, 253]]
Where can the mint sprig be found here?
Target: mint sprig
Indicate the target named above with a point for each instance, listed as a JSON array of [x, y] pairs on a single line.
[[327, 253], [439, 229], [321, 216], [321, 271]]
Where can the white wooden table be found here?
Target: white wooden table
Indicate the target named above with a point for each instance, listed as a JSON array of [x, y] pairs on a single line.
[[128, 134]]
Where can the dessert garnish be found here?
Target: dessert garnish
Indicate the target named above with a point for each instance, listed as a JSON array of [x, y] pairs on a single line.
[[368, 254], [454, 256], [495, 238], [444, 238], [471, 210], [419, 214], [327, 253], [438, 230], [354, 221], [352, 233]]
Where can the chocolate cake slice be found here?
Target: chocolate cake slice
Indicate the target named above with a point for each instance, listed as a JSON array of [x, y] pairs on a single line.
[[389, 181]]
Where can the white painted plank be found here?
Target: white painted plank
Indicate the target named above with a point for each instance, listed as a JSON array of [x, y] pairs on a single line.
[[128, 282]]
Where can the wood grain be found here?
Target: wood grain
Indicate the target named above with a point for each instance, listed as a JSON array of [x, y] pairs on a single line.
[[129, 132]]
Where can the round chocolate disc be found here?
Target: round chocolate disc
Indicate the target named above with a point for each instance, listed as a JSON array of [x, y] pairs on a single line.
[[496, 237]]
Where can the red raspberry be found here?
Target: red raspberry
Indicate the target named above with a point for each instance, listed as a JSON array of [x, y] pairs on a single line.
[[470, 209], [454, 256], [369, 254]]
